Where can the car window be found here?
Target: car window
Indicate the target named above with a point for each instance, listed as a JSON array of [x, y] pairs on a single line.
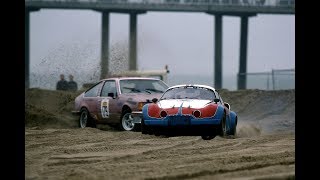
[[93, 92], [142, 86], [158, 85], [207, 94], [189, 93], [108, 87], [219, 97]]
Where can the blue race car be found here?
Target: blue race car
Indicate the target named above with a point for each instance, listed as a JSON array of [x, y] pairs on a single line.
[[192, 110]]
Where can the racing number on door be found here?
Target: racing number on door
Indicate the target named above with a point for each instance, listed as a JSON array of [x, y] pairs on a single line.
[[105, 108]]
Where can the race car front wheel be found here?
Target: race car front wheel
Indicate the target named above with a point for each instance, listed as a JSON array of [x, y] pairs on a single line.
[[144, 128], [223, 126], [208, 137], [234, 129], [127, 123]]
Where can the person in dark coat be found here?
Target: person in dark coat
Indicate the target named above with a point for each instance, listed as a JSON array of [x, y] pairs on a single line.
[[62, 84], [72, 85]]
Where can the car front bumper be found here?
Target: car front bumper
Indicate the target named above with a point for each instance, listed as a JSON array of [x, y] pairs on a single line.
[[180, 121], [137, 116]]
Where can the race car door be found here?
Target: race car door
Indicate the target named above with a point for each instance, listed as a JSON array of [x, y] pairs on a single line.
[[107, 102], [90, 99]]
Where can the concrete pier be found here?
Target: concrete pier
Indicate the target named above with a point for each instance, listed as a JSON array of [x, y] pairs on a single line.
[[133, 42], [104, 45], [27, 12], [242, 77], [218, 52], [26, 48], [135, 8]]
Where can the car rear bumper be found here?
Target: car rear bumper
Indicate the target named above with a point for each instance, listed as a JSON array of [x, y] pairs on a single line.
[[76, 113]]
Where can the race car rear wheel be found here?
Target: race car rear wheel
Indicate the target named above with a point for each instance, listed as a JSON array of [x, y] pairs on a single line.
[[85, 119], [234, 129], [127, 123]]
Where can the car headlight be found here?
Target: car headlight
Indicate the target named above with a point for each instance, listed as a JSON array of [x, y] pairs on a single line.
[[163, 113], [196, 113]]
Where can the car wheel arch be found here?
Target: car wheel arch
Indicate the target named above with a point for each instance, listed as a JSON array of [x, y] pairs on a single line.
[[125, 108], [83, 107], [87, 109], [236, 121]]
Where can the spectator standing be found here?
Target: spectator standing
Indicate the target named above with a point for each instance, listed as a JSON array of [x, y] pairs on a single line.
[[62, 84], [72, 85]]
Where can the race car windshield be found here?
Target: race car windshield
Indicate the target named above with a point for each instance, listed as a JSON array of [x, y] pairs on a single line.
[[142, 86], [189, 93]]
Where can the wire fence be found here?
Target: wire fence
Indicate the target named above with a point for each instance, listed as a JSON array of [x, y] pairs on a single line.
[[275, 80]]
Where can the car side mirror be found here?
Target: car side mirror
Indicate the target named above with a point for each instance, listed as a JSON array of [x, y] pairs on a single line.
[[216, 100], [154, 100], [111, 95], [227, 105]]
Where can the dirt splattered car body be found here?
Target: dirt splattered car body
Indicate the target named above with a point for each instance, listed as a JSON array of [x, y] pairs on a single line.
[[117, 101], [189, 110]]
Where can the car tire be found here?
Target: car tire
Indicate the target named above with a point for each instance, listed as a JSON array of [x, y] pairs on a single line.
[[144, 128], [85, 120], [126, 122], [223, 126], [234, 131], [208, 137], [157, 133], [137, 127]]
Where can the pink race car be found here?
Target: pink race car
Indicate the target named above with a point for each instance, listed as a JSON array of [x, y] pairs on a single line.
[[117, 101]]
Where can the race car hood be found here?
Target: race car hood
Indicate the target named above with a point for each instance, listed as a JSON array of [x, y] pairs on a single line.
[[141, 97], [192, 103]]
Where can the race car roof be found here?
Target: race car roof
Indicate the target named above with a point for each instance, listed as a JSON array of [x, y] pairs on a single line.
[[192, 85]]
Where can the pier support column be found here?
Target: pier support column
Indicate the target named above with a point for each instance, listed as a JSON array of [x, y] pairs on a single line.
[[133, 39], [218, 52], [242, 77], [104, 45], [27, 12], [26, 48], [133, 42]]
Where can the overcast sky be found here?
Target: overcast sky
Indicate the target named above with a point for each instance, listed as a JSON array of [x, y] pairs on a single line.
[[184, 41]]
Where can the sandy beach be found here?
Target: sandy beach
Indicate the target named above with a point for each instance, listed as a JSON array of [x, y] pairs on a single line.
[[264, 148]]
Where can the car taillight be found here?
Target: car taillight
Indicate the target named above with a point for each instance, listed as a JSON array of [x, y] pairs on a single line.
[[163, 114], [140, 105], [196, 113]]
